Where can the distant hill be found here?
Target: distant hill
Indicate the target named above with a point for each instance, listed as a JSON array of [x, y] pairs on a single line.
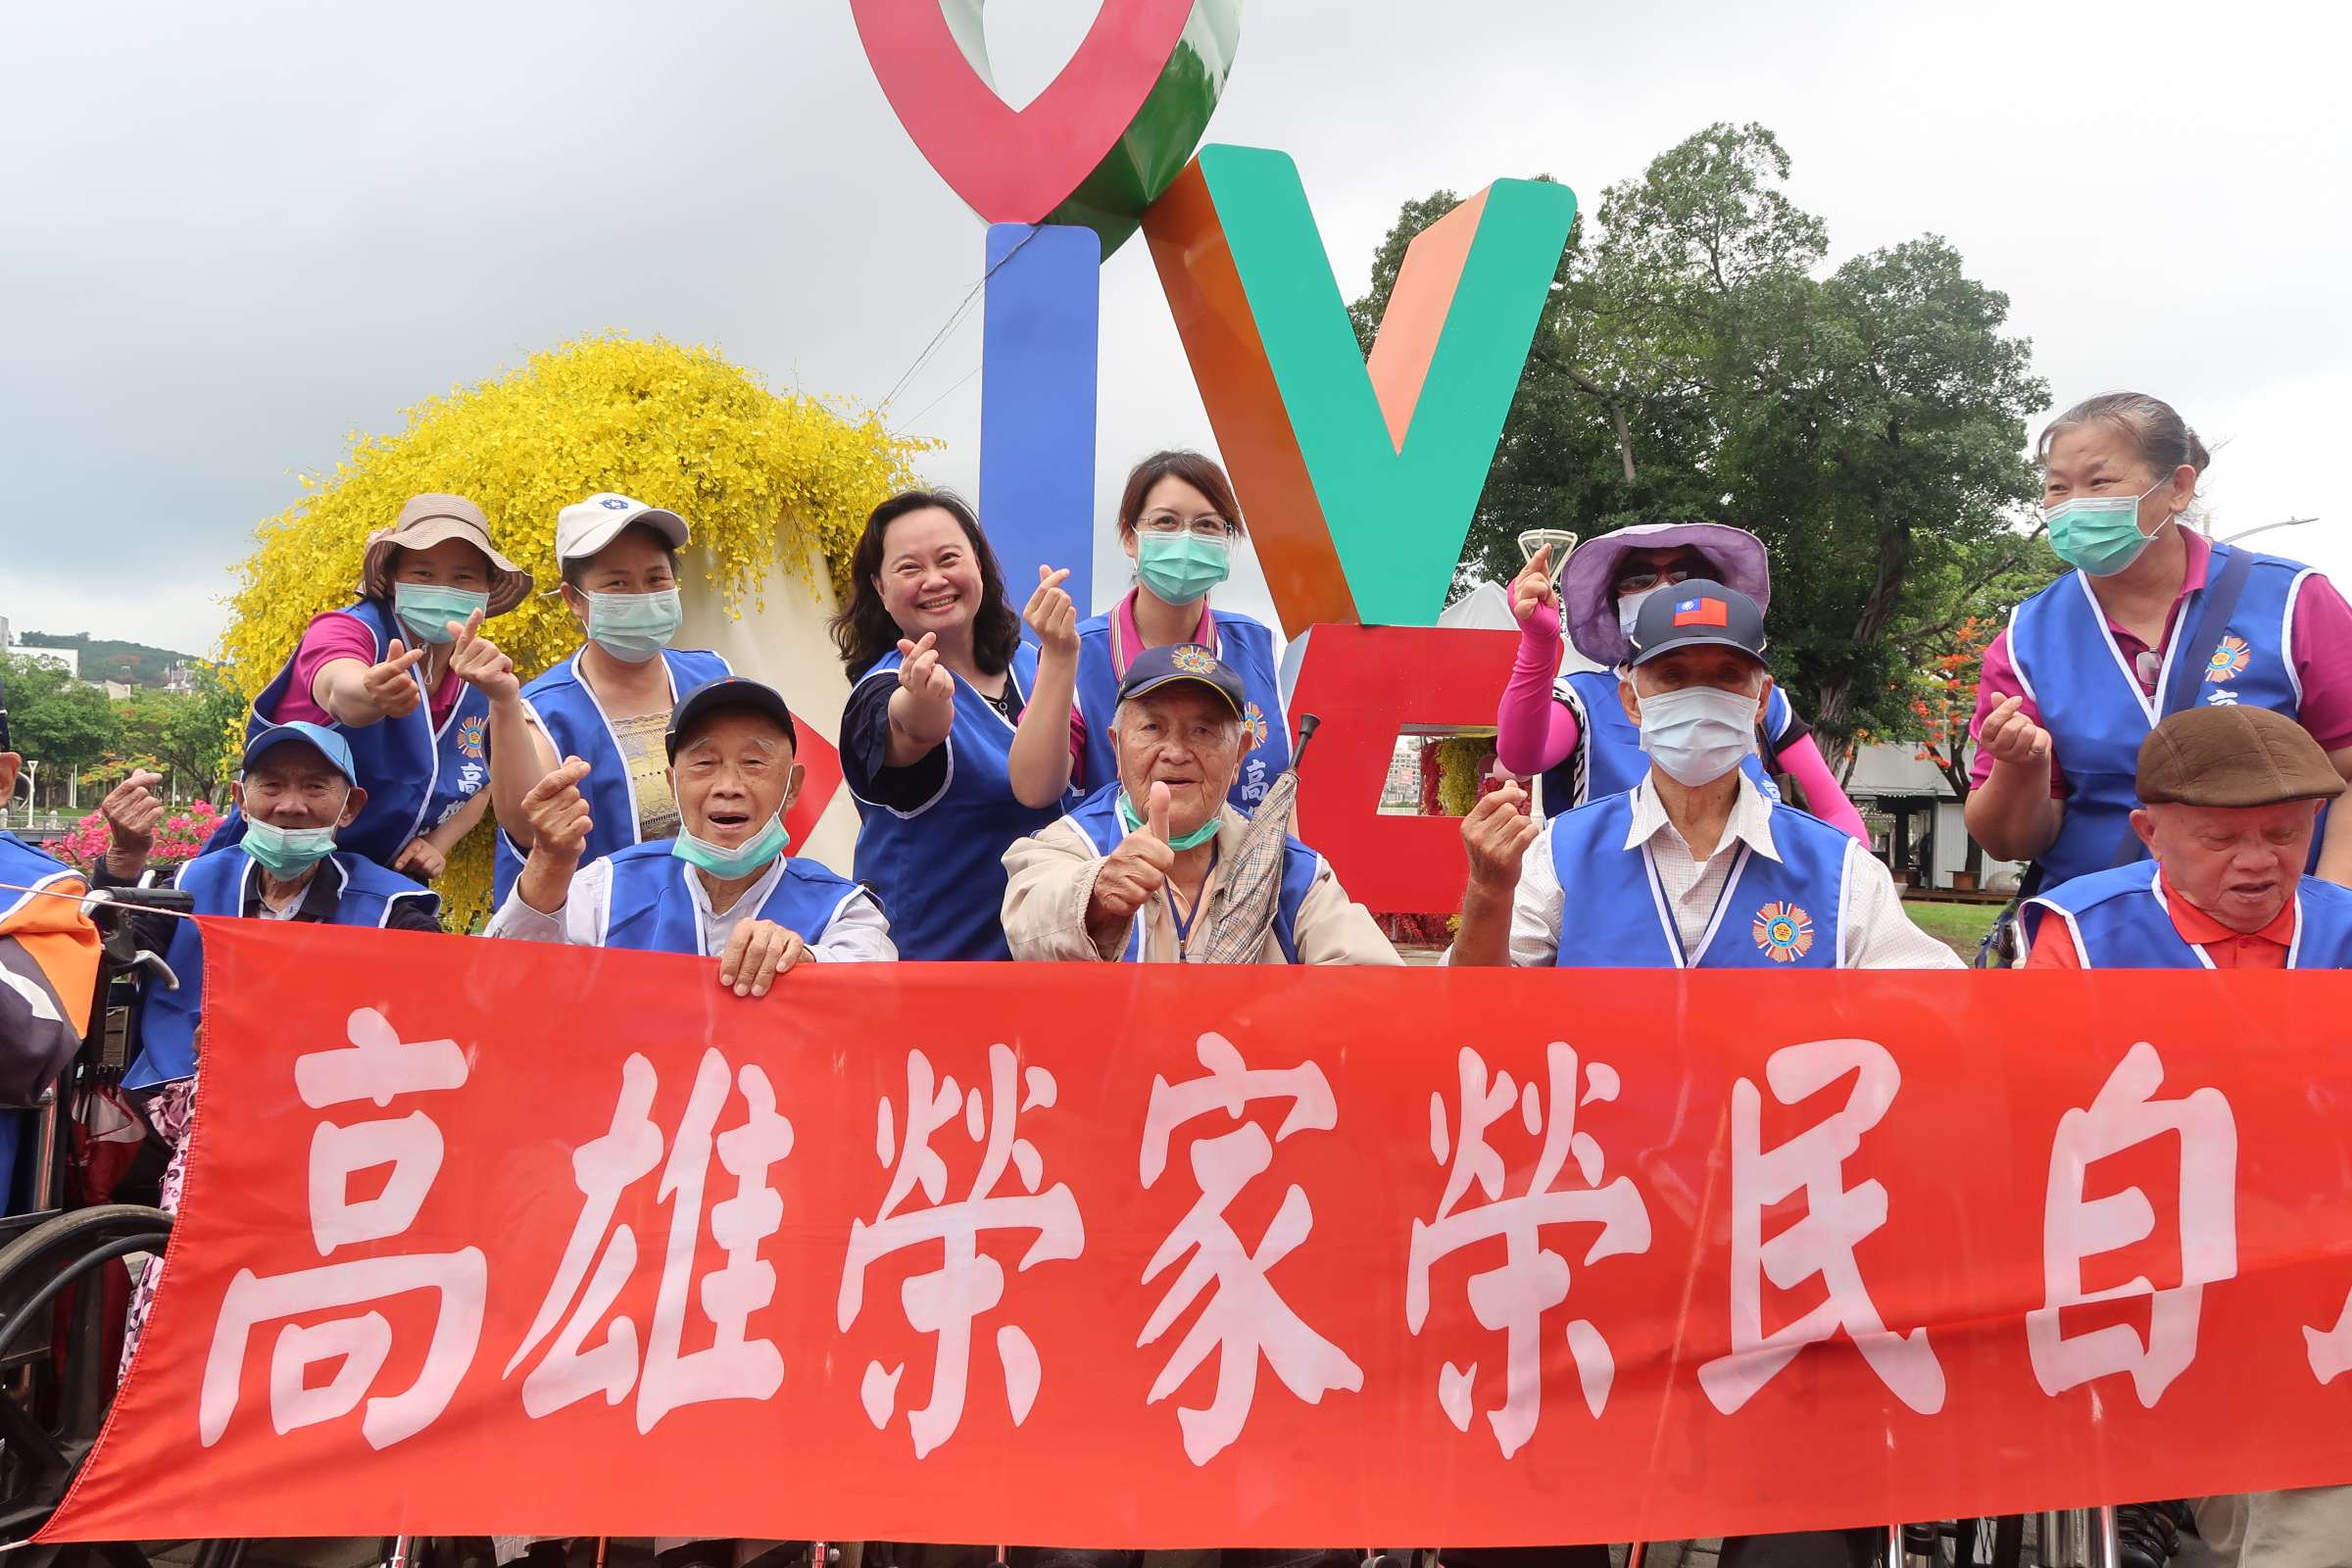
[[106, 659]]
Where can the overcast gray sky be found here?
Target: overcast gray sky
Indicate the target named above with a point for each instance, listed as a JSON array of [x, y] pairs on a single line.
[[237, 232]]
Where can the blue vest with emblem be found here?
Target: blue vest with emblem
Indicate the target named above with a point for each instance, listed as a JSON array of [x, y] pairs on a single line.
[[1098, 817], [217, 883], [416, 777], [1774, 914], [1610, 744], [1248, 646], [2120, 922], [2098, 715], [652, 909], [575, 726], [939, 869]]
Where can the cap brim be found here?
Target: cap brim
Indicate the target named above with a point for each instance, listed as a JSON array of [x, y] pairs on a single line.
[[1180, 677], [668, 524], [510, 584], [1673, 644], [752, 695], [271, 738], [1589, 610]]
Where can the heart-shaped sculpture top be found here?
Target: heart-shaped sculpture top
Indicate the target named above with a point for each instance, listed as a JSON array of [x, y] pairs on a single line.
[[1096, 147]]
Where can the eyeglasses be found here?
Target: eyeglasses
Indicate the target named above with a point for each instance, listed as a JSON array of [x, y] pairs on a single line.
[[1168, 524], [1642, 581]]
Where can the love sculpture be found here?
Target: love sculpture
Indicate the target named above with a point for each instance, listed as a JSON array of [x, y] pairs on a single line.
[[1359, 475]]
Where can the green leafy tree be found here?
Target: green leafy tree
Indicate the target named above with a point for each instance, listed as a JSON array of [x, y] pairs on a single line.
[[187, 735], [1695, 362], [56, 721]]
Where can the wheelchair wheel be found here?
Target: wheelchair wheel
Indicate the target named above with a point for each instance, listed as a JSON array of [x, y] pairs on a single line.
[[59, 1350]]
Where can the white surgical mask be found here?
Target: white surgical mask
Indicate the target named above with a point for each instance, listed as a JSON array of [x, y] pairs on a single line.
[[1629, 609], [1699, 733]]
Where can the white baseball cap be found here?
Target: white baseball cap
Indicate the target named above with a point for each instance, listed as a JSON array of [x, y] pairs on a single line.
[[587, 526]]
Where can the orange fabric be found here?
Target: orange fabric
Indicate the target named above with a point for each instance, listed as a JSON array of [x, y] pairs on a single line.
[[733, 1349], [2266, 949], [59, 938]]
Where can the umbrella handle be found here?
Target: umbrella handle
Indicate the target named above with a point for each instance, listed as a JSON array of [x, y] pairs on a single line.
[[1308, 723]]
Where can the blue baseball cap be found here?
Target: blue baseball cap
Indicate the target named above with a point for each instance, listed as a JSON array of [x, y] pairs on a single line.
[[325, 742], [1156, 668]]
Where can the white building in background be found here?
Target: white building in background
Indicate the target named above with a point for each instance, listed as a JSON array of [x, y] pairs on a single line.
[[68, 659], [1905, 800]]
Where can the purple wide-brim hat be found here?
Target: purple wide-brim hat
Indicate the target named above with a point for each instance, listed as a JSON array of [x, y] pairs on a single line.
[[1589, 609]]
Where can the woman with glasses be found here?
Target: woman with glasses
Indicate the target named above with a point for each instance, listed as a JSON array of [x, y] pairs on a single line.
[[2153, 617], [1177, 523], [1571, 729]]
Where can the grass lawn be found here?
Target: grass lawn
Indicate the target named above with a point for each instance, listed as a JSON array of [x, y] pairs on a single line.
[[1960, 926]]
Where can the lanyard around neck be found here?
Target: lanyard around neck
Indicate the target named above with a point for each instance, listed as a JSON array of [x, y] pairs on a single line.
[[1183, 922]]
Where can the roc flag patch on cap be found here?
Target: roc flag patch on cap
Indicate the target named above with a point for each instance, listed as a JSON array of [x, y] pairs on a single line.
[[1701, 611]]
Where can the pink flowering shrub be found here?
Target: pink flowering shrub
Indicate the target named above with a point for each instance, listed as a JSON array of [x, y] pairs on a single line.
[[178, 838]]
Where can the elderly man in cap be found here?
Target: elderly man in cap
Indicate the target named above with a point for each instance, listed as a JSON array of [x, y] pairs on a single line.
[[398, 671], [1128, 874], [2230, 799], [1693, 866], [724, 888], [299, 794]]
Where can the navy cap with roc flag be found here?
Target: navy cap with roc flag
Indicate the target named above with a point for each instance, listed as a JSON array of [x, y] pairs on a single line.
[[1697, 613]]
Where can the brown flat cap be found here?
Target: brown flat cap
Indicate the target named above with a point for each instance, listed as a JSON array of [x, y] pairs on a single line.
[[425, 523], [2234, 754]]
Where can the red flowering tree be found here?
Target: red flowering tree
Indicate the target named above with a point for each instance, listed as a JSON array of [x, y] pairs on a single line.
[[1944, 708]]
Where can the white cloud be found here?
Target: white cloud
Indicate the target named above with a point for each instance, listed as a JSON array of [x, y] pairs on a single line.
[[239, 233]]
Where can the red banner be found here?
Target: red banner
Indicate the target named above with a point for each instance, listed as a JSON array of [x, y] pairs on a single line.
[[484, 1236]]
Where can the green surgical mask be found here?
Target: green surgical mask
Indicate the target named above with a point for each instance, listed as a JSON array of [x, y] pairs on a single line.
[[1183, 568], [426, 608], [1183, 841], [727, 864], [633, 627], [286, 851], [2099, 535]]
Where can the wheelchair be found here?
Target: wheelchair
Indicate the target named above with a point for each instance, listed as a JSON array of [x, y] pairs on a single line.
[[65, 1280]]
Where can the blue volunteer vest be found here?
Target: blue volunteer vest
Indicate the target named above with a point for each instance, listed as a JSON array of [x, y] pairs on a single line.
[[2120, 922], [168, 1019], [1609, 743], [1248, 646], [651, 908], [939, 869], [1098, 817], [2096, 714], [416, 777], [576, 726], [1774, 914]]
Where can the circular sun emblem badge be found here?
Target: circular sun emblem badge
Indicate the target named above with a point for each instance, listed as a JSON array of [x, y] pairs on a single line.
[[1193, 659], [2229, 659], [1783, 932], [470, 736], [1253, 725]]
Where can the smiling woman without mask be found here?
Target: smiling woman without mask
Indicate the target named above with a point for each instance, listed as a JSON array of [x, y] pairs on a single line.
[[1180, 524], [941, 743], [610, 702], [2154, 617]]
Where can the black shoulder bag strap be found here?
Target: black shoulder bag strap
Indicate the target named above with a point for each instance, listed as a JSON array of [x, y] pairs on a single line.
[[2204, 638]]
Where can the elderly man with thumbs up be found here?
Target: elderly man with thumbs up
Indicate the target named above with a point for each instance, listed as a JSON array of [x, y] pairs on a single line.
[[724, 888], [1131, 874]]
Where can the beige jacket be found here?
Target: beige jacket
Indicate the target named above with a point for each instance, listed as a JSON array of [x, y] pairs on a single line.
[[1052, 876]]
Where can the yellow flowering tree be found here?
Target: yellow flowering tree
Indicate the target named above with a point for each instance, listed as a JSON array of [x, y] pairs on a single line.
[[762, 477]]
